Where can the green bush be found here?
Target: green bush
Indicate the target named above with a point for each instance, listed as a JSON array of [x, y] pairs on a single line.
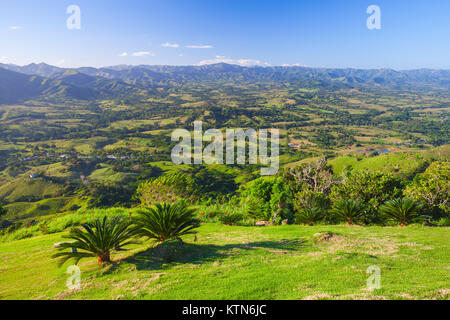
[[348, 211], [163, 222], [402, 211], [445, 222], [372, 189], [309, 216], [231, 218], [99, 240]]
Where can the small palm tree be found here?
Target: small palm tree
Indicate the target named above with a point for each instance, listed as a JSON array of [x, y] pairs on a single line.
[[163, 222], [349, 211], [97, 240], [309, 216], [402, 211]]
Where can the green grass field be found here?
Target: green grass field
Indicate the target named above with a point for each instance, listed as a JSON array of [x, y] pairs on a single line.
[[244, 263]]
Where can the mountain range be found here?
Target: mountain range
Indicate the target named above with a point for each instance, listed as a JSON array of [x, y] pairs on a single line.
[[44, 82]]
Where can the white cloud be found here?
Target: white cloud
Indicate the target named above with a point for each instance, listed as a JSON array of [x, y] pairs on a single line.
[[241, 62], [15, 28], [143, 53], [200, 47], [170, 45], [293, 65], [123, 54], [3, 59]]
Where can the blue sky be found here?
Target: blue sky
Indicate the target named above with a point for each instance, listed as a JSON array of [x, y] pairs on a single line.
[[326, 33]]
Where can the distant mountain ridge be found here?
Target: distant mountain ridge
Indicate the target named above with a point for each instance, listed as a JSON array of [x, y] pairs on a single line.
[[45, 82]]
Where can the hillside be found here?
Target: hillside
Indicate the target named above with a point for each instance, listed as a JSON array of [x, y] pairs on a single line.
[[235, 263], [92, 83]]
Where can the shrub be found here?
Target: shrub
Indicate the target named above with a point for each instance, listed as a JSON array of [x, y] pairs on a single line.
[[432, 187], [348, 211], [163, 222], [310, 199], [231, 219], [309, 216], [402, 211], [445, 222], [96, 240], [370, 188], [267, 198]]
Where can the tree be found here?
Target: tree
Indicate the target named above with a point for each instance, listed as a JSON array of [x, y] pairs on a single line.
[[432, 187], [267, 196], [316, 176]]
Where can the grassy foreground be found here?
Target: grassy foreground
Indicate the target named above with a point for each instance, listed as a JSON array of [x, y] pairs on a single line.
[[244, 263]]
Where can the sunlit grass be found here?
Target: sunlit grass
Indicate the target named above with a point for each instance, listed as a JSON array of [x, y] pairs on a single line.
[[244, 263]]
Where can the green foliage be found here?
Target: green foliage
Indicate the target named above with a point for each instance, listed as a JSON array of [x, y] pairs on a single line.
[[348, 211], [432, 187], [211, 181], [231, 218], [309, 215], [3, 211], [316, 176], [169, 189], [372, 189], [445, 222], [103, 195], [165, 221], [96, 240], [309, 199], [402, 211], [266, 196], [256, 210]]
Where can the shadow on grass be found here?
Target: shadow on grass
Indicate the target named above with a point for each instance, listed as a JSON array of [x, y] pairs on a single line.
[[175, 252]]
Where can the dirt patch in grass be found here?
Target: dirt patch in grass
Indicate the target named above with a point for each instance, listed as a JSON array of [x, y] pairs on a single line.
[[444, 293], [405, 296], [362, 296], [319, 296], [370, 246], [144, 283]]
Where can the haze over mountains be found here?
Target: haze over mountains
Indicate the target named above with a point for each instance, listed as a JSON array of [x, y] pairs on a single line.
[[43, 82]]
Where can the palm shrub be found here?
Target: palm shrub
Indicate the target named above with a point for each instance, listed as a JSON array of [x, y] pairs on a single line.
[[349, 211], [165, 221], [98, 239], [309, 216], [231, 218], [401, 210]]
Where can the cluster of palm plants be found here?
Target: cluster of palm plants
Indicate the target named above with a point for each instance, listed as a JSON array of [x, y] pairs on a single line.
[[402, 211], [160, 223]]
